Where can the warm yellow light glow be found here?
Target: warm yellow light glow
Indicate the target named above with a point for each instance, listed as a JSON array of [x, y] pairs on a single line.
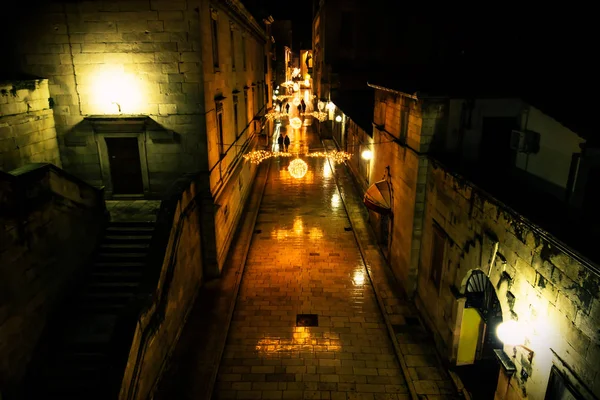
[[117, 92], [307, 82], [330, 106], [307, 76], [277, 91], [358, 278], [298, 168], [367, 154], [296, 123], [296, 101], [298, 226], [301, 340], [296, 87], [335, 200], [327, 170], [295, 72], [511, 333], [277, 109], [321, 105], [274, 97], [338, 118]]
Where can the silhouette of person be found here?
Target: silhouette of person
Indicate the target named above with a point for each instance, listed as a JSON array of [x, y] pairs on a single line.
[[286, 142], [287, 108], [303, 104], [280, 142]]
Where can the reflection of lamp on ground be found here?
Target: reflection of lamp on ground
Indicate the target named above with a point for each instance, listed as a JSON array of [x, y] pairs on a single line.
[[512, 334], [358, 278], [335, 200], [367, 154]]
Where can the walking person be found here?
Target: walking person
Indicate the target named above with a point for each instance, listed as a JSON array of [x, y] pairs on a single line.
[[303, 105], [280, 142], [286, 142], [287, 108]]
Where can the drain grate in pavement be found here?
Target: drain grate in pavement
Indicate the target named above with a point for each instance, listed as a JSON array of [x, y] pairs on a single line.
[[334, 254], [314, 254], [307, 320], [258, 231], [348, 229]]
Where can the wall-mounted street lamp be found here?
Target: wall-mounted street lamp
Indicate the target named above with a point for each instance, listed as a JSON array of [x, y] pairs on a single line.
[[367, 154], [338, 118], [513, 334], [330, 106]]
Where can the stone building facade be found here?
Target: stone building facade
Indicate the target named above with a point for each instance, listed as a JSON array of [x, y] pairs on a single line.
[[469, 254], [143, 92]]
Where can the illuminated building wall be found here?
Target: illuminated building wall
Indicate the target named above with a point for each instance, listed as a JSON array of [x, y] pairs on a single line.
[[551, 290], [162, 74]]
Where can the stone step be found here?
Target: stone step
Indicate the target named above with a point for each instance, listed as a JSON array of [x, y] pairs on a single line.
[[127, 238], [122, 256], [112, 286], [129, 230], [116, 275], [124, 247], [112, 265]]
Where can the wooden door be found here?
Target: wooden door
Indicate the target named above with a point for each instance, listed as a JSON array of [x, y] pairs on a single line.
[[125, 168]]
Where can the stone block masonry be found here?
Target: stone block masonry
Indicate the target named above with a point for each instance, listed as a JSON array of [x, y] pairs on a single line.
[[120, 58], [540, 282], [27, 127]]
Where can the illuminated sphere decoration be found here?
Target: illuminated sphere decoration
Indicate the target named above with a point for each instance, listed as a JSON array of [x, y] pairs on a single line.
[[296, 123], [298, 168], [296, 101]]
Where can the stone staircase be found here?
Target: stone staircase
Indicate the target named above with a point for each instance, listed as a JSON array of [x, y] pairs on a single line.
[[87, 361]]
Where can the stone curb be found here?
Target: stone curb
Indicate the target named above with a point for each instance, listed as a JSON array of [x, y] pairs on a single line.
[[240, 271]]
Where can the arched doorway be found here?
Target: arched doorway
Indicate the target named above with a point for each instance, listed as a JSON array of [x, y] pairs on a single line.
[[477, 364]]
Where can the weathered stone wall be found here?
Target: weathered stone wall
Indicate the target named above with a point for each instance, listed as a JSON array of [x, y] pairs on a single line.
[[27, 133], [121, 58], [180, 278], [551, 291], [50, 227]]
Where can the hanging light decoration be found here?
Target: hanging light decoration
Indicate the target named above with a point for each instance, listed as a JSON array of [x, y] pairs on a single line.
[[367, 154], [296, 123], [334, 155], [338, 118], [306, 82], [298, 168], [257, 156], [321, 116]]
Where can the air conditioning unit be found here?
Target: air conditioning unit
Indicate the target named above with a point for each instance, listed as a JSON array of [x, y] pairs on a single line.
[[525, 142]]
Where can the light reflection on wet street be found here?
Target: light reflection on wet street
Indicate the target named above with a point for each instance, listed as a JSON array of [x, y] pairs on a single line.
[[303, 261]]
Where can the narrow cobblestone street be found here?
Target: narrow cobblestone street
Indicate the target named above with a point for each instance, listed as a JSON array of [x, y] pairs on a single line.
[[304, 261]]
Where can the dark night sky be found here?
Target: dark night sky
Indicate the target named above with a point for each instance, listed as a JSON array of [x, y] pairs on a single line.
[[299, 12]]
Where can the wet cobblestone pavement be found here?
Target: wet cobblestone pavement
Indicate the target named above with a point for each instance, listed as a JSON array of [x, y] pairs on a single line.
[[304, 259]]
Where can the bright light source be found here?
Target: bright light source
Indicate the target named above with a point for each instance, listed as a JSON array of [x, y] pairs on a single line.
[[296, 101], [116, 92], [358, 278], [321, 105], [296, 123], [296, 87], [274, 97], [338, 118], [306, 82], [330, 106], [277, 92], [335, 200], [367, 154], [298, 168], [277, 87], [277, 109], [511, 333]]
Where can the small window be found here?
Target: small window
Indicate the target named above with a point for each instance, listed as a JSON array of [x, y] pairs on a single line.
[[235, 115], [244, 52], [437, 255], [219, 109], [232, 39], [404, 115], [559, 388], [215, 40]]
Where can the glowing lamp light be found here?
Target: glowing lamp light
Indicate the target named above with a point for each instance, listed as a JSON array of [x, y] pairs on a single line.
[[115, 91], [277, 87], [321, 105], [358, 278], [511, 333], [296, 123], [296, 101], [296, 87], [367, 154], [277, 108], [338, 118], [277, 91], [274, 97], [297, 168], [330, 106], [306, 82]]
